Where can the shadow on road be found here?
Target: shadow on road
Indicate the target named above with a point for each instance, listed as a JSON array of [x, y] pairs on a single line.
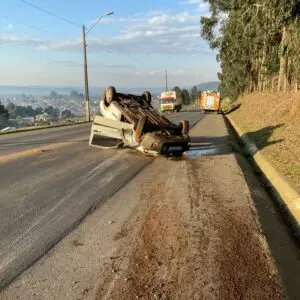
[[282, 244]]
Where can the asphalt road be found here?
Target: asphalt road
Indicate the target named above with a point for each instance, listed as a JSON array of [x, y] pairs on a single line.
[[47, 193], [17, 142], [196, 227], [22, 141]]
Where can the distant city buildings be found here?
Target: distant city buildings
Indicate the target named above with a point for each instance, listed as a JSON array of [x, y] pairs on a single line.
[[44, 118]]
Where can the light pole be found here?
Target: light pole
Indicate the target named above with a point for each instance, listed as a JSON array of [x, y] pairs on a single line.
[[86, 80], [166, 80]]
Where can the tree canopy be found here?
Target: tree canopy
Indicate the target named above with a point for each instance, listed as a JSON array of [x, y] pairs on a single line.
[[75, 95], [66, 114], [258, 43], [3, 116], [194, 93], [51, 111], [186, 99], [22, 111], [54, 95], [178, 92]]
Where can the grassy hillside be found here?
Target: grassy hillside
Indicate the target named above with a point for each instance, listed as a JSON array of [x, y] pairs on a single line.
[[272, 121]]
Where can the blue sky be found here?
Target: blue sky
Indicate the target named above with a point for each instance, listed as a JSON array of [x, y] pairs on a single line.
[[131, 48]]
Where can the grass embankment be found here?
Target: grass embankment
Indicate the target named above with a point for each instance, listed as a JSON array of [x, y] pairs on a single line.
[[272, 122]]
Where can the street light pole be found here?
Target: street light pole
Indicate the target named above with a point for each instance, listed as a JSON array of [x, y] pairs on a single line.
[[166, 80], [86, 80]]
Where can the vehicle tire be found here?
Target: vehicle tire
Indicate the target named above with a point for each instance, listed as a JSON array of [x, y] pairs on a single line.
[[178, 108], [139, 128], [110, 95], [103, 99], [185, 127], [147, 97]]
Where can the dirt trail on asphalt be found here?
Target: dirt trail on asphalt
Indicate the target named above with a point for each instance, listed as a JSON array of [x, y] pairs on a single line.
[[199, 238], [182, 229]]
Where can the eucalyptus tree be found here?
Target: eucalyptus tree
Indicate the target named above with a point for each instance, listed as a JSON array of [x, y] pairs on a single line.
[[258, 43]]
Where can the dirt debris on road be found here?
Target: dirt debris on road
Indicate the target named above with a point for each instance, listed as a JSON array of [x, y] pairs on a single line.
[[199, 239], [184, 228]]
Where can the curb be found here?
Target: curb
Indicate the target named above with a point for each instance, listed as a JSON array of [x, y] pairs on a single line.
[[287, 197]]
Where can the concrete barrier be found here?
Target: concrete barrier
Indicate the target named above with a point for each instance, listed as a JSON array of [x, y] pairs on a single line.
[[287, 196]]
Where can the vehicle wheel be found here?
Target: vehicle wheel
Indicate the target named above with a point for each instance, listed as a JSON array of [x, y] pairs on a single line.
[[103, 99], [139, 128], [178, 108], [185, 127], [147, 96], [110, 95]]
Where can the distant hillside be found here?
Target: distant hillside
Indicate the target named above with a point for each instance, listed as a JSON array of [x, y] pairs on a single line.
[[94, 91], [45, 90], [209, 86]]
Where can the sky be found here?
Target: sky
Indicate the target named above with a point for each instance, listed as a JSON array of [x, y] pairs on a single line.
[[131, 48]]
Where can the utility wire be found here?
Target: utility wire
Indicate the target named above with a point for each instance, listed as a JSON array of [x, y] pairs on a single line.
[[29, 25], [34, 27], [50, 13], [108, 50], [72, 23], [112, 51]]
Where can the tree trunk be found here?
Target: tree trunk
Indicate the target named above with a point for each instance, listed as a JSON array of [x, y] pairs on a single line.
[[250, 85], [273, 83], [265, 76], [283, 62]]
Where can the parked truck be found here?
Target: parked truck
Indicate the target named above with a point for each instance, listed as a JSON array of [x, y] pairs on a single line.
[[210, 102], [169, 101]]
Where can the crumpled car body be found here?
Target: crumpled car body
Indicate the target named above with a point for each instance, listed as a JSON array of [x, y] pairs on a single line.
[[131, 121]]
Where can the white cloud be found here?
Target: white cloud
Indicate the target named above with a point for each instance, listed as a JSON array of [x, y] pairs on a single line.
[[20, 40], [76, 64], [202, 6], [153, 32], [153, 18], [179, 72], [151, 35], [10, 26]]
